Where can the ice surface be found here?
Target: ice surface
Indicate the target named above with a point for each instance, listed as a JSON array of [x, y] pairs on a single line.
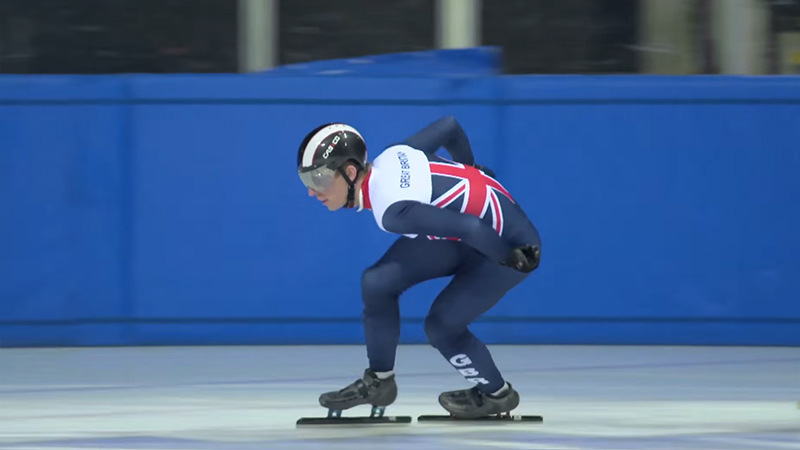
[[232, 398]]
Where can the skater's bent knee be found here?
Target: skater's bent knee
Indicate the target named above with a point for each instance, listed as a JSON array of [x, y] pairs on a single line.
[[381, 282], [442, 332]]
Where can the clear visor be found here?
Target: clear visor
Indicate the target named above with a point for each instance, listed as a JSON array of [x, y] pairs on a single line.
[[320, 179]]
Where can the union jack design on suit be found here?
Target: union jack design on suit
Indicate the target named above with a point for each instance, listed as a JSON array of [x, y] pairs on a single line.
[[477, 192]]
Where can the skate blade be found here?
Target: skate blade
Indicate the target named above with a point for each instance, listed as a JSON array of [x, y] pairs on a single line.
[[357, 420], [495, 418]]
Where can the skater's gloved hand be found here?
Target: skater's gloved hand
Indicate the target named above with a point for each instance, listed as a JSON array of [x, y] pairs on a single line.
[[484, 169], [524, 259]]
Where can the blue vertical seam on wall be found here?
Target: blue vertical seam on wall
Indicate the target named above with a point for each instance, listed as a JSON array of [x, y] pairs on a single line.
[[126, 235]]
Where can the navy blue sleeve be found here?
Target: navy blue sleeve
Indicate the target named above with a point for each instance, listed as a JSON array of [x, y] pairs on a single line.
[[445, 132], [411, 217]]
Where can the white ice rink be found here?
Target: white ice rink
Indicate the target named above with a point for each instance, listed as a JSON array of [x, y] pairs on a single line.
[[237, 398]]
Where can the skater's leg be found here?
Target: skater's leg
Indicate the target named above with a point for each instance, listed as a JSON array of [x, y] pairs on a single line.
[[470, 294], [406, 263]]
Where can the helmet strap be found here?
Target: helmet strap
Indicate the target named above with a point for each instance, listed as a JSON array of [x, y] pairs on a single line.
[[351, 191]]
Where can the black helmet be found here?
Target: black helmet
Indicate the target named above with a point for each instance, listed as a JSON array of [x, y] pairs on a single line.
[[325, 150]]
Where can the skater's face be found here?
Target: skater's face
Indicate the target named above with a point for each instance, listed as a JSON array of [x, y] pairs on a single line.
[[335, 196]]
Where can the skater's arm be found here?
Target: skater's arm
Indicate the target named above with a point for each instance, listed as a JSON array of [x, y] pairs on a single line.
[[411, 217], [445, 132]]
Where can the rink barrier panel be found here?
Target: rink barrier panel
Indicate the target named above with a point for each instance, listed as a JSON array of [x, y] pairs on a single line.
[[164, 209]]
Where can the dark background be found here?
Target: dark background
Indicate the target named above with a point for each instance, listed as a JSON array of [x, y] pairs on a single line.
[[163, 36]]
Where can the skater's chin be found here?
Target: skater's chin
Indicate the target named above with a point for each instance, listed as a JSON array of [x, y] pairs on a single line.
[[331, 205]]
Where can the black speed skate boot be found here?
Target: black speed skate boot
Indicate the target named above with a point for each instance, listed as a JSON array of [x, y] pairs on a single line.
[[368, 390], [474, 403]]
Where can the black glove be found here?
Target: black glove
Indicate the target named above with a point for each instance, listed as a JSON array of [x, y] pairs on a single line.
[[484, 169], [525, 259]]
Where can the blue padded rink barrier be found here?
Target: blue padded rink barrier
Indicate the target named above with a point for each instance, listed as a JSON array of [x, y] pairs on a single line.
[[149, 301], [248, 398]]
